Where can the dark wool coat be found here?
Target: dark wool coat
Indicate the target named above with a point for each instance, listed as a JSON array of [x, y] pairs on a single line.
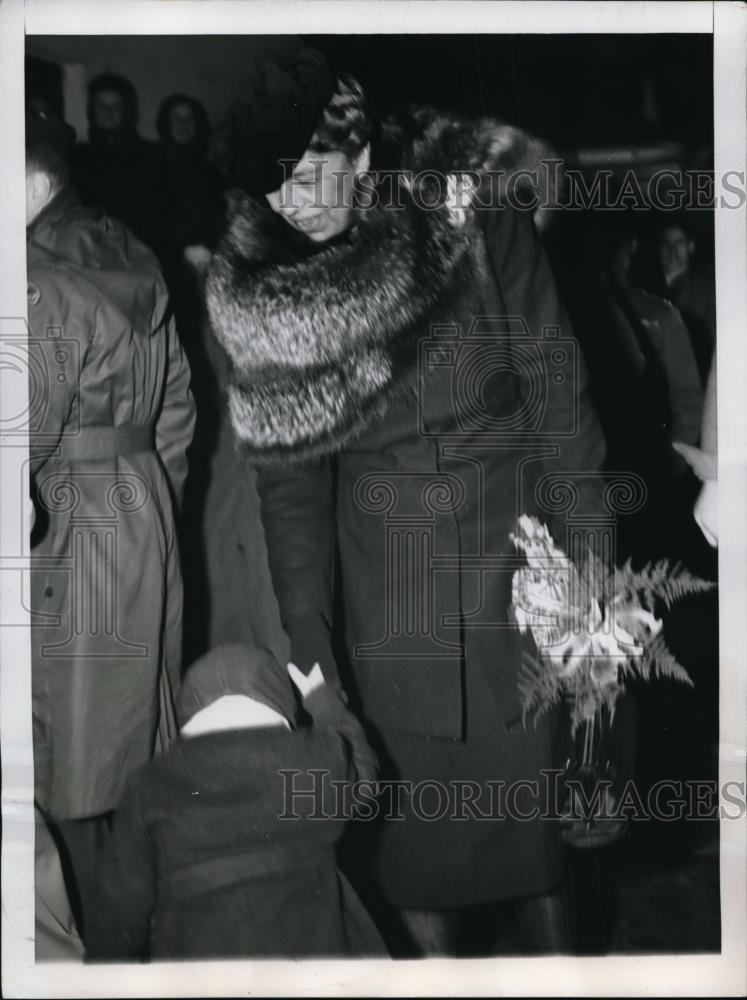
[[211, 856], [670, 340], [196, 195], [404, 390], [695, 297], [111, 419]]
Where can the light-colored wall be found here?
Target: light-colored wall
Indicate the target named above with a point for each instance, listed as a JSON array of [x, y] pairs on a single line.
[[212, 68]]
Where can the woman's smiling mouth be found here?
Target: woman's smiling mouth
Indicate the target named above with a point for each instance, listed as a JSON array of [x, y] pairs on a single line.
[[308, 225]]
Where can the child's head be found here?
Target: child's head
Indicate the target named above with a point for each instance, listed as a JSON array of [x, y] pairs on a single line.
[[235, 687]]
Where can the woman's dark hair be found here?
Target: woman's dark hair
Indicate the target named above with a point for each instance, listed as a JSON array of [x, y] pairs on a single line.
[[202, 122], [675, 222], [347, 121], [119, 85], [259, 131]]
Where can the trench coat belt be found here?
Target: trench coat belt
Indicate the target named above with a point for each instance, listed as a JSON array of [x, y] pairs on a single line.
[[95, 444], [225, 871]]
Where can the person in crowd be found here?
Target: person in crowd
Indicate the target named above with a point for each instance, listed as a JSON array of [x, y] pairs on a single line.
[[197, 201], [644, 382], [691, 292], [667, 342], [122, 172], [704, 462], [109, 429], [224, 846], [333, 274], [184, 129]]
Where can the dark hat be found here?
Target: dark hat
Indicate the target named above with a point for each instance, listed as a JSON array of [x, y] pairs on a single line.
[[238, 669], [45, 129], [270, 127]]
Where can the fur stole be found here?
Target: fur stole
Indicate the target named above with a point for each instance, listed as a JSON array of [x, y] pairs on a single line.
[[321, 337]]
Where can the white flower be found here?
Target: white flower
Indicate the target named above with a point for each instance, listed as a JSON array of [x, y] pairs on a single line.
[[527, 525]]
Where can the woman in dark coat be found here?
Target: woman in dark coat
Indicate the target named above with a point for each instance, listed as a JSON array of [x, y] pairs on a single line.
[[404, 376], [184, 129], [212, 855]]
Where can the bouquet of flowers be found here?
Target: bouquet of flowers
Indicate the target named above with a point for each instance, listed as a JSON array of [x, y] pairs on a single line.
[[593, 627]]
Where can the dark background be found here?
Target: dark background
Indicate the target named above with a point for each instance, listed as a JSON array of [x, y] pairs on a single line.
[[572, 89]]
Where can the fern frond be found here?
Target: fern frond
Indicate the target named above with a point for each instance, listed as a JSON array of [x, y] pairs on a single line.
[[540, 687], [682, 583], [633, 667], [641, 586], [661, 662], [658, 582]]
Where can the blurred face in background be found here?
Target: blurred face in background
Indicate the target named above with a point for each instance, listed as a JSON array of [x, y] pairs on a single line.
[[108, 111], [182, 125], [675, 250], [317, 199]]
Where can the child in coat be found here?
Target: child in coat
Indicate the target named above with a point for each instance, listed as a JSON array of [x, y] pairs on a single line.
[[211, 856]]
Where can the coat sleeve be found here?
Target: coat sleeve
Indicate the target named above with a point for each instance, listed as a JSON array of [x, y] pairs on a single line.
[[298, 519], [176, 418], [685, 391], [527, 287], [125, 886]]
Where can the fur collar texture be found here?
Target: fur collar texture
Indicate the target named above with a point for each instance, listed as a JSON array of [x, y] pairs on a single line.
[[321, 338]]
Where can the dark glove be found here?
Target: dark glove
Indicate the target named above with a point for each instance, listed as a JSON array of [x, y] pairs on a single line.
[[327, 706]]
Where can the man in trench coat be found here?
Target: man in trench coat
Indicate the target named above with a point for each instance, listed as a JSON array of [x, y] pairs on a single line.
[[111, 417]]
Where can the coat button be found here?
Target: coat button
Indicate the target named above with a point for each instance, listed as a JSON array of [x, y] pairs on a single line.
[[48, 592], [33, 294]]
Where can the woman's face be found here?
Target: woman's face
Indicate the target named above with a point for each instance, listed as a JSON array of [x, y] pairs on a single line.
[[317, 198], [182, 124], [108, 110]]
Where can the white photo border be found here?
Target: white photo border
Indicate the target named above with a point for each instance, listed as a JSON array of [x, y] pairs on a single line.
[[655, 975]]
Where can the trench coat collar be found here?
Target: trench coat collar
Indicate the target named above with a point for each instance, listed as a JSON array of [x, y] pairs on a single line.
[[55, 209]]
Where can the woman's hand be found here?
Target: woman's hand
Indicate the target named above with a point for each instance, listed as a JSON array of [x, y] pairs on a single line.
[[198, 257], [706, 511], [326, 705], [705, 466], [703, 463]]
